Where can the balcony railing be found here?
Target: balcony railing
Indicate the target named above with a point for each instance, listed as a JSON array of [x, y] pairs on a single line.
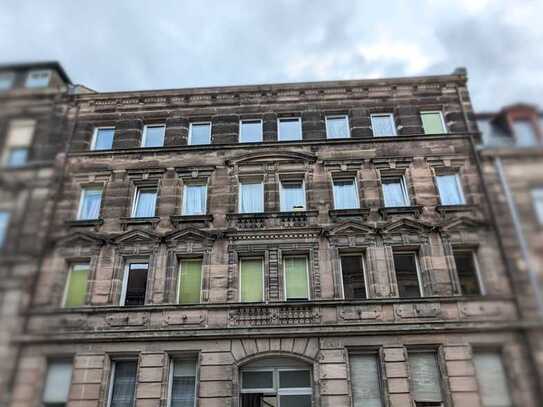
[[287, 220]]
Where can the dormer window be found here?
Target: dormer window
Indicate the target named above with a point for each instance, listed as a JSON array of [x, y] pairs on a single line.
[[524, 133], [38, 79]]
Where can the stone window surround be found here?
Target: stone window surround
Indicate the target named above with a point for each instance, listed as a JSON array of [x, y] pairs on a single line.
[[175, 257], [395, 173], [189, 176], [69, 262], [122, 259]]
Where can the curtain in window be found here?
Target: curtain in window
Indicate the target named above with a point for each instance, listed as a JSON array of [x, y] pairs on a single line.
[[345, 196], [394, 194], [90, 208], [382, 126], [104, 139], [432, 123], [57, 382], [251, 198], [124, 384], [251, 280], [77, 285], [183, 383], [492, 379], [145, 204], [292, 197], [4, 221], [190, 281], [365, 381], [337, 127], [449, 190], [195, 200], [296, 277], [250, 131], [425, 376]]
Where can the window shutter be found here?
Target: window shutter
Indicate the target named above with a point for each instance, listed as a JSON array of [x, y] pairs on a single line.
[[365, 381], [77, 285], [57, 382], [296, 278], [251, 281], [20, 133], [492, 380], [190, 281], [432, 123], [425, 376]]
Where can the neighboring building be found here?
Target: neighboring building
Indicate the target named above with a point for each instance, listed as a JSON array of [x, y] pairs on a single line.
[[317, 244], [512, 159]]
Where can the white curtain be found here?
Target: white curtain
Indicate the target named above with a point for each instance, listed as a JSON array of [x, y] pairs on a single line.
[[382, 125], [251, 198], [345, 196], [492, 379], [145, 205], [336, 127], [292, 196], [57, 383], [449, 190], [365, 381], [91, 204], [394, 193], [425, 376], [195, 200]]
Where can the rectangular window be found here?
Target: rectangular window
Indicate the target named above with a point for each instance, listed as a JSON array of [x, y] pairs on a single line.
[[144, 202], [153, 135], [395, 192], [57, 383], [425, 378], [251, 197], [383, 125], [337, 127], [433, 123], [6, 80], [183, 383], [492, 379], [194, 199], [76, 285], [292, 196], [103, 138], [450, 190], [352, 274], [199, 133], [190, 281], [537, 196], [251, 280], [289, 128], [4, 223], [38, 79], [466, 269], [524, 133], [123, 383], [134, 284], [296, 278], [18, 142], [366, 380], [250, 131], [407, 275], [346, 194], [89, 204]]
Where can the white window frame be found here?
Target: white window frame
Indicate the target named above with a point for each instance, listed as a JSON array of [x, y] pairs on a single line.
[[95, 136], [405, 192], [380, 370], [291, 119], [137, 196], [210, 124], [276, 390], [458, 185], [306, 257], [391, 120], [254, 121], [240, 183], [241, 260], [363, 261], [124, 286], [478, 274], [183, 207], [49, 362], [337, 116], [417, 266], [144, 135], [9, 76], [82, 198], [170, 377], [281, 196], [112, 377], [36, 72], [67, 284], [537, 197], [443, 124], [180, 270], [355, 184]]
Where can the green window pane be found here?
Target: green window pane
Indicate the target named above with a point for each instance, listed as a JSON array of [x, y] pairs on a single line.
[[296, 277], [77, 285], [432, 123], [251, 280], [190, 281]]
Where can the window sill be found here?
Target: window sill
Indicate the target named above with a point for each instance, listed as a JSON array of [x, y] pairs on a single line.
[[85, 222], [401, 210], [178, 220], [445, 210], [336, 214], [153, 221]]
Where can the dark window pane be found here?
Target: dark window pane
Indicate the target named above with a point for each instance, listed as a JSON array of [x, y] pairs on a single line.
[[253, 400], [136, 285], [302, 400], [294, 378], [124, 384], [467, 273], [352, 271], [406, 275], [257, 380]]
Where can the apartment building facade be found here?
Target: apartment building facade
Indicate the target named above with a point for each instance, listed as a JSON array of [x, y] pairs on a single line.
[[313, 244]]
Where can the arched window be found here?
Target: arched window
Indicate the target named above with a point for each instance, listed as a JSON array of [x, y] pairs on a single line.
[[276, 382]]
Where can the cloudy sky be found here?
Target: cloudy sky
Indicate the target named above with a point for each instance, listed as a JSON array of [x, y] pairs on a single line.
[[133, 44]]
